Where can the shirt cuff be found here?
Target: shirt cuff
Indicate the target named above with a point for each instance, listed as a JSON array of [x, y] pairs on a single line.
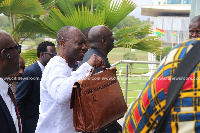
[[84, 68]]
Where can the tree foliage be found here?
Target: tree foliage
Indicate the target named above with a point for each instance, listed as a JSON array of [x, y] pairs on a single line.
[[129, 21], [15, 8], [5, 25], [130, 56], [48, 16], [164, 52], [135, 37], [65, 12]]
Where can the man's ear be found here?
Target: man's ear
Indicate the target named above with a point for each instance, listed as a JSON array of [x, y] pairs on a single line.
[[104, 41], [62, 43], [2, 57], [41, 55]]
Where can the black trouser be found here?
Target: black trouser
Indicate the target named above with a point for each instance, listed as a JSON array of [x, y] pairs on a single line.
[[115, 127]]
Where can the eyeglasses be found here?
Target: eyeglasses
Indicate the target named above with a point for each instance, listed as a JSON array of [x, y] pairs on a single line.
[[52, 54], [17, 47]]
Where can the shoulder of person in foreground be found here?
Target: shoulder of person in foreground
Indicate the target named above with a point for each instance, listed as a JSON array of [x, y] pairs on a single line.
[[146, 111]]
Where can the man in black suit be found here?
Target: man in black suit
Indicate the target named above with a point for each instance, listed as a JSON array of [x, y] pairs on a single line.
[[16, 77], [101, 42], [28, 90], [9, 64]]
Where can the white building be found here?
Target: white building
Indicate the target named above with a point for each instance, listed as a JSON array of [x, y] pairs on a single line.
[[171, 16]]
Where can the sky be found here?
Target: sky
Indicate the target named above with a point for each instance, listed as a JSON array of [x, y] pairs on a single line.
[[137, 12]]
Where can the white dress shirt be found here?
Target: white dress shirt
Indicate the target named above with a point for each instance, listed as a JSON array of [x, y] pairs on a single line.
[[41, 66], [9, 103], [55, 93]]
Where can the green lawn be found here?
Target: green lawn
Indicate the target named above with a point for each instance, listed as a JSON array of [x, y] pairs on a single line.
[[117, 54], [137, 84], [29, 44]]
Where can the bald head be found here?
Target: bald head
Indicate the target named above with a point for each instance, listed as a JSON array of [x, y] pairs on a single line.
[[5, 39], [196, 19], [72, 44], [64, 33], [9, 57], [101, 38], [96, 34], [194, 27], [86, 31]]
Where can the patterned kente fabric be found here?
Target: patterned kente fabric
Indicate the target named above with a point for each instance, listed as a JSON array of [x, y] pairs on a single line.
[[144, 114]]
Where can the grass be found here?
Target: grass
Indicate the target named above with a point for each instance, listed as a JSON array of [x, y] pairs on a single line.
[[137, 68], [137, 83], [28, 43], [134, 88], [115, 55]]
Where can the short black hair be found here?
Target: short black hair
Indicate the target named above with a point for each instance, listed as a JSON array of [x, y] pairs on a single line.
[[42, 47], [86, 31]]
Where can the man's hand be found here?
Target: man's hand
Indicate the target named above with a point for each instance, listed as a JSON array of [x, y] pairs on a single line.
[[96, 61]]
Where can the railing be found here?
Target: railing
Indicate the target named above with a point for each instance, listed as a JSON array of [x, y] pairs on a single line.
[[132, 62]]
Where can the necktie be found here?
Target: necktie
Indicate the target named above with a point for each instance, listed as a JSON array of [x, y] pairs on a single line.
[[10, 93]]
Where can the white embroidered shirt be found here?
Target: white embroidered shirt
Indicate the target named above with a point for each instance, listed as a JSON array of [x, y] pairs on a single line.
[[55, 93]]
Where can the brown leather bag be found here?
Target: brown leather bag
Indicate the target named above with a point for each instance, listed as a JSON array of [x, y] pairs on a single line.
[[97, 101]]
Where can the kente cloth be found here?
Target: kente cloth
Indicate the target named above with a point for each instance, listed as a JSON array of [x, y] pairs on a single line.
[[145, 113]]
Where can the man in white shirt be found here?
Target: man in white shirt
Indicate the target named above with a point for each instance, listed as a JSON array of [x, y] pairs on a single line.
[[9, 64], [28, 90], [58, 79]]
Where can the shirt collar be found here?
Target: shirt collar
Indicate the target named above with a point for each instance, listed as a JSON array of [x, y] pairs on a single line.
[[4, 86], [40, 65]]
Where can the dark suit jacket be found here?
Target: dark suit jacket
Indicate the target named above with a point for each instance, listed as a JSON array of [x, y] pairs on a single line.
[[115, 127], [6, 121], [89, 53], [28, 98]]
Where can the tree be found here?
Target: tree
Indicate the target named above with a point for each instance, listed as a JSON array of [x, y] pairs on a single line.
[[4, 25], [129, 21], [14, 9], [164, 52], [130, 56], [136, 37], [105, 12]]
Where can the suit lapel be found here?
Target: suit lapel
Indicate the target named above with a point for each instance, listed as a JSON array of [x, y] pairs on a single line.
[[7, 115]]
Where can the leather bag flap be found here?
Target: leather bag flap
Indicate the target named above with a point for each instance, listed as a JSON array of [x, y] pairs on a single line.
[[72, 100]]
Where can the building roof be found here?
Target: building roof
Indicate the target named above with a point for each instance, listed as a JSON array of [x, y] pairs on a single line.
[[166, 10]]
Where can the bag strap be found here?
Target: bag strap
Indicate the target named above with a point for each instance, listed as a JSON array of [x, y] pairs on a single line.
[[184, 69]]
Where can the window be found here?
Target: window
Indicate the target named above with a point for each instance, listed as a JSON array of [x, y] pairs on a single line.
[[186, 1], [173, 1]]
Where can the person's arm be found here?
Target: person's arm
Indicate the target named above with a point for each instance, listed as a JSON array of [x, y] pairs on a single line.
[[23, 88], [59, 84]]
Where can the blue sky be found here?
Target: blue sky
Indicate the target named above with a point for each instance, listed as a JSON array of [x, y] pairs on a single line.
[[137, 11]]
